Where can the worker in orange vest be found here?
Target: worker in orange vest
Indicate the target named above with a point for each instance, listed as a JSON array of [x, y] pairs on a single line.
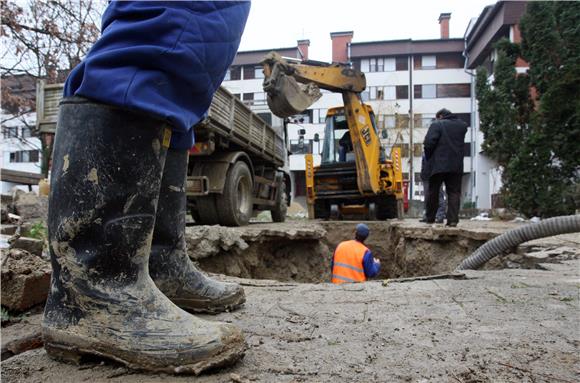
[[353, 261]]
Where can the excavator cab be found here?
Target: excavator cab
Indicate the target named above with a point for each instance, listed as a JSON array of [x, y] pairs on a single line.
[[337, 145]]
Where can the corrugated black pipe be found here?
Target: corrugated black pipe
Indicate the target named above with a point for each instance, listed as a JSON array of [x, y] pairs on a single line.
[[512, 238]]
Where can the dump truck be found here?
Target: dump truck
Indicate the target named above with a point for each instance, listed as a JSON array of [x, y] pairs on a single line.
[[355, 177], [238, 165]]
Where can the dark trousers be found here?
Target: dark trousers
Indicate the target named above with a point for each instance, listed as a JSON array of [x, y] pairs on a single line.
[[453, 187]]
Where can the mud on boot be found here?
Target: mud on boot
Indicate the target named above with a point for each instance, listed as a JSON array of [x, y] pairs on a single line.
[[106, 178], [169, 265]]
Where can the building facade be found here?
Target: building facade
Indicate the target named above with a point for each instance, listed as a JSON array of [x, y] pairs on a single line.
[[495, 22]]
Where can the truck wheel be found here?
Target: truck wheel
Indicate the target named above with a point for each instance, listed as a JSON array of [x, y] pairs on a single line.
[[235, 205], [206, 211], [279, 211], [387, 207]]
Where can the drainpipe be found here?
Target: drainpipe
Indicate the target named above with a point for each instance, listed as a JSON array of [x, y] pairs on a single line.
[[472, 122], [411, 123]]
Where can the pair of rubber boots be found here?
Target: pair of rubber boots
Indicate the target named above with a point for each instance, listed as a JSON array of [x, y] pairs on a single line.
[[120, 268]]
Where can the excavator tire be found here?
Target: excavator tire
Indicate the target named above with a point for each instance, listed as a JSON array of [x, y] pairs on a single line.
[[387, 207]]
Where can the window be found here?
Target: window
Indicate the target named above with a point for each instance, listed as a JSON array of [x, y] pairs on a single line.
[[228, 75], [402, 63], [10, 132], [401, 121], [258, 72], [322, 116], [266, 117], [237, 95], [417, 150], [301, 146], [248, 98], [248, 72], [235, 73], [390, 64], [24, 156], [450, 60], [377, 64], [404, 152], [303, 118], [402, 92], [386, 121], [467, 149], [259, 98], [425, 91], [423, 120], [418, 178], [453, 90], [406, 176], [428, 62], [26, 132]]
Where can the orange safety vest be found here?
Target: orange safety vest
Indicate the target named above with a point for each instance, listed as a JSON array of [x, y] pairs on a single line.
[[348, 262]]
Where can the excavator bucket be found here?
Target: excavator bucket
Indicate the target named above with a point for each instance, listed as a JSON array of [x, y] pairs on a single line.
[[288, 97]]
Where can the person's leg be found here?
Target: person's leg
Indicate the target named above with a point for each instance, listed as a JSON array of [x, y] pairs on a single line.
[[106, 176], [453, 186], [425, 197], [441, 211], [433, 198], [169, 265]]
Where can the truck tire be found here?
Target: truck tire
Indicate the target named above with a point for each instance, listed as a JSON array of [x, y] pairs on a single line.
[[279, 211], [387, 207], [235, 204], [206, 211]]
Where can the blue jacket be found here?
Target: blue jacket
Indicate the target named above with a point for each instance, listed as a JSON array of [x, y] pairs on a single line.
[[164, 58]]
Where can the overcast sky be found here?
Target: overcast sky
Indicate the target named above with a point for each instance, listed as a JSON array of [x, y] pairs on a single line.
[[278, 24]]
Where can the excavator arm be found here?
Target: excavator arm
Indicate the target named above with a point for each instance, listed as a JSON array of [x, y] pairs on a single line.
[[292, 87]]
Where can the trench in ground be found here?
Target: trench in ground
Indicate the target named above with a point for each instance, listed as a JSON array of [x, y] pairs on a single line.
[[402, 254]]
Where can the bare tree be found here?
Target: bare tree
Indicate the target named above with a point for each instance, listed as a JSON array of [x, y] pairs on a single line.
[[42, 40]]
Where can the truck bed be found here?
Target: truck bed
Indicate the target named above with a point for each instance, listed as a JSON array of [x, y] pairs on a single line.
[[227, 118]]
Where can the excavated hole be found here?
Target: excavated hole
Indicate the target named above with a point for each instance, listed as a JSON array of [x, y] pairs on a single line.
[[306, 259]]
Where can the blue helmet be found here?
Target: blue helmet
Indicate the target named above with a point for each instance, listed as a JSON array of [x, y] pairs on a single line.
[[362, 230]]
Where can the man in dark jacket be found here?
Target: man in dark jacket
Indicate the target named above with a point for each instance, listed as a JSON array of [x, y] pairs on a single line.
[[444, 154]]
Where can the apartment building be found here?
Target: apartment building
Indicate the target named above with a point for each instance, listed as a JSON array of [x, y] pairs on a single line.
[[20, 151], [497, 21], [408, 81]]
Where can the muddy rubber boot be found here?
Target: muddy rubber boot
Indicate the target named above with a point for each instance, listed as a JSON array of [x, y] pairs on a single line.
[[106, 176], [169, 265]]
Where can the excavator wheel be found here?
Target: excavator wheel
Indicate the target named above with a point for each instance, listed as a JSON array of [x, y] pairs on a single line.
[[372, 211], [334, 212], [387, 207]]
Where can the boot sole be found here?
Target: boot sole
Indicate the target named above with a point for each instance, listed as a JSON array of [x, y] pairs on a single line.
[[72, 354]]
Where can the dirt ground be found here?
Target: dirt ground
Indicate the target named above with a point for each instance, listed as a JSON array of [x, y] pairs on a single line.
[[510, 325]]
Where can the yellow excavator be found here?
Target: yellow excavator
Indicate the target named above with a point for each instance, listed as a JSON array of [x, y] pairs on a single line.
[[354, 178]]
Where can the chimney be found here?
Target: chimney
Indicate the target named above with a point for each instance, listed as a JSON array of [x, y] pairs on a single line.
[[340, 43], [303, 48], [444, 24]]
